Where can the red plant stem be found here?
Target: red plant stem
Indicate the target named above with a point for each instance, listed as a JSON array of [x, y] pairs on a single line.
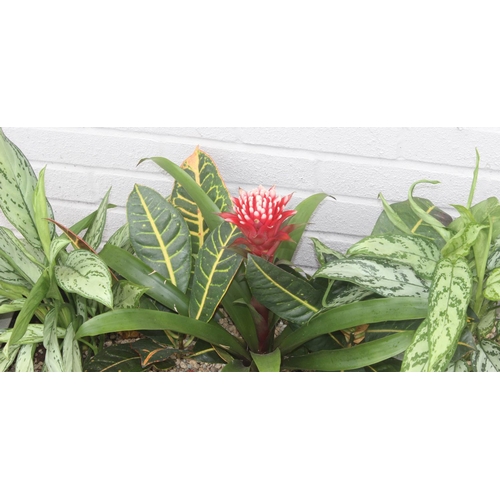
[[262, 325]]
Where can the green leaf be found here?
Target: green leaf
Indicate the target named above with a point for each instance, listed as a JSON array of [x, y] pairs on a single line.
[[53, 357], [24, 358], [116, 358], [135, 271], [215, 269], [202, 169], [8, 358], [343, 293], [37, 294], [352, 315], [458, 366], [449, 299], [127, 294], [121, 238], [236, 366], [461, 243], [418, 253], [41, 214], [487, 357], [160, 236], [378, 275], [93, 236], [412, 224], [33, 335], [137, 319], [17, 188], [152, 352], [9, 276], [288, 296], [14, 253], [352, 358], [207, 206], [85, 274], [492, 289], [71, 356], [305, 209], [416, 358], [268, 362], [325, 254], [423, 214]]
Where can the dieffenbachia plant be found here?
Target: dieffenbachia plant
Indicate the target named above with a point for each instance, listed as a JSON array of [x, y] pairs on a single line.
[[418, 250], [204, 257], [50, 290]]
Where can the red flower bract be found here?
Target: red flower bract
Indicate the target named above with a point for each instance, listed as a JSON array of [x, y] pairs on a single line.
[[260, 215]]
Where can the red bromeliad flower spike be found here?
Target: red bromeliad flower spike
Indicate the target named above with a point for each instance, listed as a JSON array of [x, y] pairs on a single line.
[[260, 215]]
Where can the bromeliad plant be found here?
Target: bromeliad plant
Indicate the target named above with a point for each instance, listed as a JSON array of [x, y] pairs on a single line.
[[204, 257]]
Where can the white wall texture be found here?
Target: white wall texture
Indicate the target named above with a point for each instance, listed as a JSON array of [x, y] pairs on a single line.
[[352, 164]]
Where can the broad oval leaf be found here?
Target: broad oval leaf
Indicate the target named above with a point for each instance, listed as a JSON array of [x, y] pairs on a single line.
[[160, 236], [420, 254], [85, 274], [215, 269], [290, 297], [378, 275], [202, 169]]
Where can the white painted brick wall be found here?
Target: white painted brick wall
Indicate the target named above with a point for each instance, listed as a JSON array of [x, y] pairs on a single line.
[[352, 164]]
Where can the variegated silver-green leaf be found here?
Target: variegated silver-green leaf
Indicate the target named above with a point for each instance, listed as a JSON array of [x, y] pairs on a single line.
[[6, 361], [33, 335], [492, 289], [53, 357], [215, 269], [347, 293], [17, 187], [461, 243], [160, 236], [487, 357], [325, 254], [85, 274], [458, 366], [487, 322], [385, 278], [24, 359], [93, 236], [121, 238], [449, 299], [127, 295], [420, 254], [15, 254], [71, 356], [10, 276], [416, 358], [12, 306], [494, 256]]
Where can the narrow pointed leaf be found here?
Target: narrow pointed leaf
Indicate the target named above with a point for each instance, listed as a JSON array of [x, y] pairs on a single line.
[[41, 213], [461, 243], [33, 335], [352, 315], [53, 357], [116, 358], [93, 236], [420, 254], [288, 296], [202, 169], [378, 275], [160, 236], [236, 366], [137, 319], [215, 269], [305, 209], [85, 274], [24, 359], [325, 254], [352, 358], [7, 359], [416, 358]]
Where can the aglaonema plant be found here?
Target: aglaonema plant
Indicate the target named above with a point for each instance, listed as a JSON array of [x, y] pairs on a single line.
[[50, 290], [203, 256], [455, 263]]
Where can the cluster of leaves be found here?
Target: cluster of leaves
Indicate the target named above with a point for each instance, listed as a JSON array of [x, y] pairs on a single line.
[[419, 294]]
